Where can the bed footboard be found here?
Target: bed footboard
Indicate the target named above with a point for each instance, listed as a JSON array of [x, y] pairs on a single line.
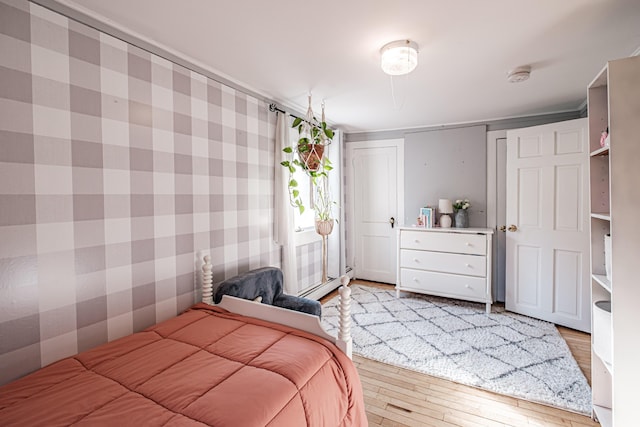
[[295, 319]]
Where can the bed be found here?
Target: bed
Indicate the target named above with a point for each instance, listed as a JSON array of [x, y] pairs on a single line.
[[239, 363]]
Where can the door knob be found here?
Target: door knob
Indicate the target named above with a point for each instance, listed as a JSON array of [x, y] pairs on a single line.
[[512, 228], [392, 221], [503, 228]]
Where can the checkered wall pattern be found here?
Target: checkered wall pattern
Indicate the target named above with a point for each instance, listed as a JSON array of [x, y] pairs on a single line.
[[116, 168], [309, 265]]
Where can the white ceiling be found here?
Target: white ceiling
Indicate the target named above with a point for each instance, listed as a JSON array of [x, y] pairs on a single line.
[[285, 49]]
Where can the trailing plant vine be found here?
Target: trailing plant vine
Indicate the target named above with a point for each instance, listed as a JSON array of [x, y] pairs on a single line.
[[313, 137]]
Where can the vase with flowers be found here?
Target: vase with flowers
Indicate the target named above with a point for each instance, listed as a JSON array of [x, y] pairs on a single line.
[[462, 216]]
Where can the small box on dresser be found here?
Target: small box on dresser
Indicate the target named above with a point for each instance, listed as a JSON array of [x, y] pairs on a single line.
[[447, 262]]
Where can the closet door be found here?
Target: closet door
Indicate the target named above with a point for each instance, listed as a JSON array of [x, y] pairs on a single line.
[[374, 178]]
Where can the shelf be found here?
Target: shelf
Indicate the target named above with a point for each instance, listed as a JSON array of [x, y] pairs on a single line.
[[602, 281], [608, 366], [601, 215], [604, 415], [604, 151]]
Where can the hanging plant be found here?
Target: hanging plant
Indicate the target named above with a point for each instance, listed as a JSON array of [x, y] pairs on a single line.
[[313, 137]]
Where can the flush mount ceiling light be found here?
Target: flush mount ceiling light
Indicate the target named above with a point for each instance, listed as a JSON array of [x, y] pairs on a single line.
[[519, 74], [399, 57]]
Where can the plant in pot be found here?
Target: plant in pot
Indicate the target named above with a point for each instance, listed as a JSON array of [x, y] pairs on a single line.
[[312, 141], [322, 202], [323, 206], [308, 154]]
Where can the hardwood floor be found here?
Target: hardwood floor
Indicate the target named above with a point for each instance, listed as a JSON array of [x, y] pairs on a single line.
[[399, 397]]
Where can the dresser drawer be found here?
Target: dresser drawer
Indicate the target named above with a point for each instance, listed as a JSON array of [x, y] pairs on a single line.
[[449, 285], [444, 242], [471, 265]]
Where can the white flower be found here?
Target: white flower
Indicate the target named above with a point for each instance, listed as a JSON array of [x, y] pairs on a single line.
[[462, 204]]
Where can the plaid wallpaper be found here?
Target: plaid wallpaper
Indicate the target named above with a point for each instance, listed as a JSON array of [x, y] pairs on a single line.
[[309, 265], [117, 168]]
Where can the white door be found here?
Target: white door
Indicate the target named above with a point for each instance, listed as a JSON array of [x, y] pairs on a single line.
[[375, 212], [547, 264]]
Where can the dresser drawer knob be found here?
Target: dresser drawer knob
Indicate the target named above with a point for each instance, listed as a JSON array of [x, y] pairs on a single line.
[[415, 260], [417, 241], [468, 244], [467, 265], [467, 286], [415, 279]]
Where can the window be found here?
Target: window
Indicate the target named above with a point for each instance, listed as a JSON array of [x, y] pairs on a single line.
[[305, 186]]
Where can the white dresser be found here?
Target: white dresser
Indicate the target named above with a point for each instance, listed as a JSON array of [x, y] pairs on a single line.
[[448, 262]]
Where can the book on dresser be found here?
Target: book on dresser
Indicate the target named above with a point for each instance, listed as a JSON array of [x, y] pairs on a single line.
[[447, 262]]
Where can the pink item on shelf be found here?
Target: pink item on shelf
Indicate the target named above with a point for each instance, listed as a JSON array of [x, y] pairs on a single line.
[[603, 137]]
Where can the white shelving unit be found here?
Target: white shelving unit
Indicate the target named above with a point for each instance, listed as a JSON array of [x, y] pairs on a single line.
[[614, 103], [603, 281]]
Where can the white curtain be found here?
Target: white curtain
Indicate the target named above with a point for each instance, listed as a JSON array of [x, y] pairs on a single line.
[[283, 226], [336, 262]]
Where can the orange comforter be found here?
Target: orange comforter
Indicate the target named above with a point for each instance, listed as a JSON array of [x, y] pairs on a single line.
[[206, 366]]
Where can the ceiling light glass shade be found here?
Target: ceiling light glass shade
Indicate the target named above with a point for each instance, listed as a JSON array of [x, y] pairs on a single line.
[[399, 57]]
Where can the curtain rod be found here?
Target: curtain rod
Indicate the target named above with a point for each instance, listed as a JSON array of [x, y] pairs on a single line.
[[274, 108]]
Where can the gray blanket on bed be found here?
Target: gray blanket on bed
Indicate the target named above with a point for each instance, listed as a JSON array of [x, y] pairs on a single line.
[[266, 282]]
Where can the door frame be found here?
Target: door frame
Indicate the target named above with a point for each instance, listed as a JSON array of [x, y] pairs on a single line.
[[349, 200], [495, 218]]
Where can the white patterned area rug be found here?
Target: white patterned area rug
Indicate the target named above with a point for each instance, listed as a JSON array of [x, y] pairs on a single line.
[[502, 352]]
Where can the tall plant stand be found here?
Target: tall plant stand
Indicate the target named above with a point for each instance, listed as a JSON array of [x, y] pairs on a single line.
[[324, 228]]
